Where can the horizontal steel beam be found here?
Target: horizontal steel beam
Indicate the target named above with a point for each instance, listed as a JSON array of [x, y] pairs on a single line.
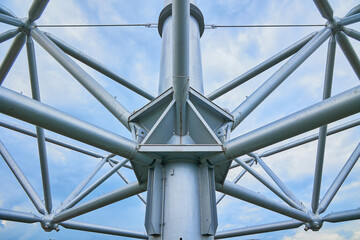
[[343, 216], [104, 97], [34, 112], [271, 227], [18, 216], [324, 112], [82, 57], [289, 51], [255, 198], [88, 227], [115, 196], [36, 9]]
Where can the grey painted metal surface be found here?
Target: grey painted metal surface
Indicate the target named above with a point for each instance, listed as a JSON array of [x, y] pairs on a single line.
[[98, 66], [24, 182], [119, 111], [102, 229], [181, 148], [11, 55], [259, 229]]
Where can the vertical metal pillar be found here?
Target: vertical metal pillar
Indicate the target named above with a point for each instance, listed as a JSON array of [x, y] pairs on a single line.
[[181, 201]]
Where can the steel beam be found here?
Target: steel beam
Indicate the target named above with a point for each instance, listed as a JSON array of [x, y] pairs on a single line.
[[353, 11], [260, 200], [259, 229], [81, 186], [30, 133], [39, 131], [352, 33], [287, 52], [325, 9], [82, 57], [238, 177], [93, 186], [11, 55], [339, 180], [126, 180], [350, 19], [8, 34], [10, 20], [16, 216], [280, 184], [34, 112], [349, 52], [118, 110], [323, 129], [181, 21], [324, 112], [261, 93], [88, 227], [115, 196], [6, 11], [310, 138], [36, 9], [24, 182], [343, 216], [269, 185]]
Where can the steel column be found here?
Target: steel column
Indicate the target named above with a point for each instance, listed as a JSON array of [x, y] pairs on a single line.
[[339, 180], [11, 55], [99, 67], [261, 93], [349, 52], [327, 111], [39, 131], [28, 188], [109, 198], [118, 110], [323, 129], [353, 11], [34, 112], [102, 229], [181, 18], [287, 52], [325, 9]]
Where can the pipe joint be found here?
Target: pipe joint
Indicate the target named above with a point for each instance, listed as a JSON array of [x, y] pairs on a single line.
[[48, 225], [315, 224]]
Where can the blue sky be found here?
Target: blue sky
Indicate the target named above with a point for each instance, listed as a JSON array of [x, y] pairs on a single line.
[[134, 53]]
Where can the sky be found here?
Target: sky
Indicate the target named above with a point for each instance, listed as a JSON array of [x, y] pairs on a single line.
[[134, 53]]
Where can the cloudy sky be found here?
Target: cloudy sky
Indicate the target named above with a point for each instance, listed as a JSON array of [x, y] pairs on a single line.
[[134, 53]]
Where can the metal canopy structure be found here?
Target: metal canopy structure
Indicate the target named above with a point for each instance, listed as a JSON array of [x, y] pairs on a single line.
[[181, 150]]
